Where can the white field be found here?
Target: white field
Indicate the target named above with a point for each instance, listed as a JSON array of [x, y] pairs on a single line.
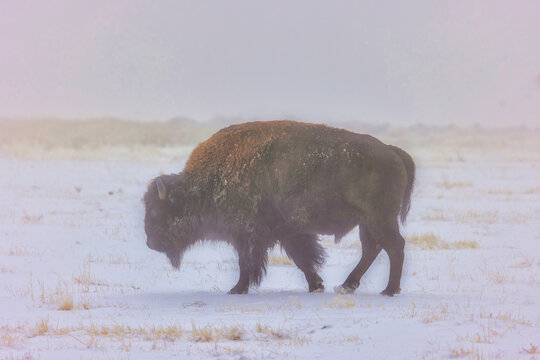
[[77, 280]]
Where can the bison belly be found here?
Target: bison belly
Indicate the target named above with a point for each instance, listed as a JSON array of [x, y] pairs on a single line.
[[319, 215]]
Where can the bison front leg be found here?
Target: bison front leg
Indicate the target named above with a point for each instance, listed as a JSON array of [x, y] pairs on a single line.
[[242, 285], [252, 258], [308, 255]]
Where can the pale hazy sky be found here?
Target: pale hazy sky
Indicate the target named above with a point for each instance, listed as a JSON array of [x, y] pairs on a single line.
[[400, 62]]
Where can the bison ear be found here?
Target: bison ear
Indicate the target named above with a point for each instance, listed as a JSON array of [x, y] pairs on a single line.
[[162, 190]]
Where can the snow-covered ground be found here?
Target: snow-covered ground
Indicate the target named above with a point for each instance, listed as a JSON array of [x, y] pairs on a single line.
[[77, 280]]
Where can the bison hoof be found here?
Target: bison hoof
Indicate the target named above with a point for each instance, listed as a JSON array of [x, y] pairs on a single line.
[[390, 292], [319, 289], [344, 289], [235, 291]]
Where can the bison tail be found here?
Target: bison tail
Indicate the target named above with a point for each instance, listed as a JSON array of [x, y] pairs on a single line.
[[411, 169]]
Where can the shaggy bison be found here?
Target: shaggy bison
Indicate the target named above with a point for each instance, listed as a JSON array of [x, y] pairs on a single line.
[[256, 184]]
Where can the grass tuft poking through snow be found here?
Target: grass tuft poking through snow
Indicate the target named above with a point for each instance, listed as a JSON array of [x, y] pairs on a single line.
[[447, 185], [41, 328], [279, 260], [431, 241], [67, 303], [271, 332], [532, 349], [341, 302]]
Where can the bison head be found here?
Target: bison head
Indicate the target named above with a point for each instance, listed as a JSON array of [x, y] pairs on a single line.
[[169, 223]]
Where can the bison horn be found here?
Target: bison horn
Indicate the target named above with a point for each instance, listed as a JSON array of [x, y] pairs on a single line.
[[162, 191]]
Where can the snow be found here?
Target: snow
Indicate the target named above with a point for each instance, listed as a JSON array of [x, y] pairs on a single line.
[[73, 229]]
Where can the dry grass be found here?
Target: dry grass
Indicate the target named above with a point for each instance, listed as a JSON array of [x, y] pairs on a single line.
[[109, 259], [118, 331], [469, 353], [23, 251], [60, 297], [463, 244], [9, 337], [431, 241], [203, 334], [293, 303], [485, 336], [329, 242], [271, 332], [66, 303], [434, 215], [497, 276], [86, 279], [532, 349], [6, 270], [527, 262], [118, 260], [447, 185], [355, 339], [234, 333], [32, 219], [500, 192], [209, 333], [41, 328], [510, 317], [341, 302], [475, 217], [93, 335], [534, 190], [236, 308], [517, 218], [424, 241], [437, 313], [279, 260]]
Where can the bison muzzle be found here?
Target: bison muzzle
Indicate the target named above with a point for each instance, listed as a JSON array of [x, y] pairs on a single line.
[[256, 184]]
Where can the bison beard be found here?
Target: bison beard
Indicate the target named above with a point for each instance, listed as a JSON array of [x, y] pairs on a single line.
[[257, 184]]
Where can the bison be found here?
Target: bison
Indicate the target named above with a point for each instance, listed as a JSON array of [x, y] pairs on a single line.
[[260, 183]]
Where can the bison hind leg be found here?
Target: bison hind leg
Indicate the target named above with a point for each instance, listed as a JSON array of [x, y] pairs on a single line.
[[387, 236], [308, 254], [370, 250]]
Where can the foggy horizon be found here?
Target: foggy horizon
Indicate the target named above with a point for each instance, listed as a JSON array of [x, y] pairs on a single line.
[[426, 63]]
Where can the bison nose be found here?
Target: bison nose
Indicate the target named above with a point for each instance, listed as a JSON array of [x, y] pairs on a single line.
[[149, 244]]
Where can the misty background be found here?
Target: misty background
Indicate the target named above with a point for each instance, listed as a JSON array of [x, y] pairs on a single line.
[[399, 62]]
